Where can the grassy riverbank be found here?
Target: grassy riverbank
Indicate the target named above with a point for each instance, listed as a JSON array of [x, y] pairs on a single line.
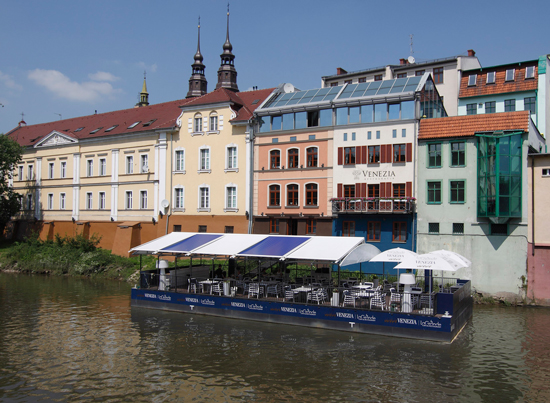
[[76, 256]]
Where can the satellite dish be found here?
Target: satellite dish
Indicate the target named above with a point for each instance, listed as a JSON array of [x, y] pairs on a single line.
[[288, 88], [165, 203], [145, 168], [411, 60]]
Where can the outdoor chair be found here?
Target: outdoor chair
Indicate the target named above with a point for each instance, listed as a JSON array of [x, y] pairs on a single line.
[[217, 288], [272, 290], [378, 301], [289, 295], [315, 296], [192, 285], [254, 290], [349, 299]]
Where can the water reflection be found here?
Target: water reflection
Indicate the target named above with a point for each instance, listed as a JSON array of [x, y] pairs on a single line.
[[68, 339]]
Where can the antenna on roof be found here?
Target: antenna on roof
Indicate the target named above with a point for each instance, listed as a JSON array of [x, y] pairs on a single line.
[[411, 57], [58, 114]]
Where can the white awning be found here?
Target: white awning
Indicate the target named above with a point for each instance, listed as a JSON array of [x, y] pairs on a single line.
[[164, 241]]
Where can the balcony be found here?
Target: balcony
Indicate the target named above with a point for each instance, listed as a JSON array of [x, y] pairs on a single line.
[[372, 205]]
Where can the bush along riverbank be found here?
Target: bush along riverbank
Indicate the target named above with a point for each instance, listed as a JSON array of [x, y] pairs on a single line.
[[76, 256]]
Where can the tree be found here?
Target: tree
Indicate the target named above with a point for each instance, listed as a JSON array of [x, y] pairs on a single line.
[[10, 156]]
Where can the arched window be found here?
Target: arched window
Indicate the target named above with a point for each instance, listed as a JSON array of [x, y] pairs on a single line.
[[312, 156], [213, 122], [292, 195], [311, 194], [275, 195], [197, 123], [293, 158], [275, 159]]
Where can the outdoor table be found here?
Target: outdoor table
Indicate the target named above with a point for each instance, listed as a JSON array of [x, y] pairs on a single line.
[[208, 284], [302, 292]]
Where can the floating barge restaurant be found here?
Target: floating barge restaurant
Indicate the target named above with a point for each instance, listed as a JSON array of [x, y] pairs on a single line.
[[262, 284]]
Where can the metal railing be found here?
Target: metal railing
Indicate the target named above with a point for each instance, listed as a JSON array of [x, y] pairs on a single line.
[[343, 205]]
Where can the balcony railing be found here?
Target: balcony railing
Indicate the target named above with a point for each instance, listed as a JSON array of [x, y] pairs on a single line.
[[353, 205]]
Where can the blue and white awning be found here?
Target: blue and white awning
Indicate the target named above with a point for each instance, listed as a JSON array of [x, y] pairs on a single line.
[[319, 248]]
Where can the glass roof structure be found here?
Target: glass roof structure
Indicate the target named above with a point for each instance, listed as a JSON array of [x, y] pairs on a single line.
[[350, 91]]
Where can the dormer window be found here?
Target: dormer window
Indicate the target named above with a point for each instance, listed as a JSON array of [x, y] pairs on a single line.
[[530, 72], [472, 79], [510, 74], [134, 124], [491, 77]]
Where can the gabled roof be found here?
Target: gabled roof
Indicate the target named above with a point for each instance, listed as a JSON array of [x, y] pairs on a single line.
[[150, 118], [468, 126], [245, 103], [500, 86]]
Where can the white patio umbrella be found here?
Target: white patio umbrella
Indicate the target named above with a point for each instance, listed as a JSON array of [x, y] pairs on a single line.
[[454, 256], [362, 253], [432, 261], [394, 255]]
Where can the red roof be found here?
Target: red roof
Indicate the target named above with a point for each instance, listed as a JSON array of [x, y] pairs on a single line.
[[244, 102], [467, 126], [152, 117], [500, 86]]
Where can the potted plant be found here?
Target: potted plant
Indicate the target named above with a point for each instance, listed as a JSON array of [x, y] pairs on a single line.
[[375, 280]]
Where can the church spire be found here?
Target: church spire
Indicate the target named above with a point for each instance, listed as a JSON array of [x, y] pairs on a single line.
[[227, 74], [144, 95], [197, 82]]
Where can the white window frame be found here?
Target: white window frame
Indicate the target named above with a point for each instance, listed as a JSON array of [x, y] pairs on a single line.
[[21, 172], [206, 167], [129, 200], [144, 160], [203, 207], [89, 200], [181, 167], [51, 170], [213, 123], [513, 73], [50, 201], [89, 168], [229, 166], [62, 201], [530, 72], [102, 200], [286, 195], [63, 169], [305, 195], [491, 77], [129, 164], [472, 80], [30, 201], [280, 158], [288, 159], [228, 207], [102, 166], [30, 172], [143, 199], [197, 124], [179, 201]]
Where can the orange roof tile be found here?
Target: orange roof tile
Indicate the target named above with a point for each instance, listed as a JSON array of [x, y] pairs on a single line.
[[500, 86], [467, 126], [163, 116], [244, 101]]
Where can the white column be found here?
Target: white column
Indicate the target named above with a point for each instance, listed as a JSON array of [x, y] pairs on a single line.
[[156, 197], [163, 166], [114, 184], [38, 188], [76, 185]]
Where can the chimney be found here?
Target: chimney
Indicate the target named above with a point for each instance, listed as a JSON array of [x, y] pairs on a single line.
[[340, 71], [403, 61], [471, 53]]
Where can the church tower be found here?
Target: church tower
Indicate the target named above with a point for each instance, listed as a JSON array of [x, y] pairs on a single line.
[[227, 75], [197, 82], [143, 95]]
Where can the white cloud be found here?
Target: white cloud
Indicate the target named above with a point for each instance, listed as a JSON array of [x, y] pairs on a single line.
[[8, 82], [63, 87], [152, 68], [103, 76]]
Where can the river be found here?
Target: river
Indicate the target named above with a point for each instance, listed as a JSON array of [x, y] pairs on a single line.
[[67, 339]]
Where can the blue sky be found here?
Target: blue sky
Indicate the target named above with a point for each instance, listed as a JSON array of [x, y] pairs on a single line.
[[75, 57]]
